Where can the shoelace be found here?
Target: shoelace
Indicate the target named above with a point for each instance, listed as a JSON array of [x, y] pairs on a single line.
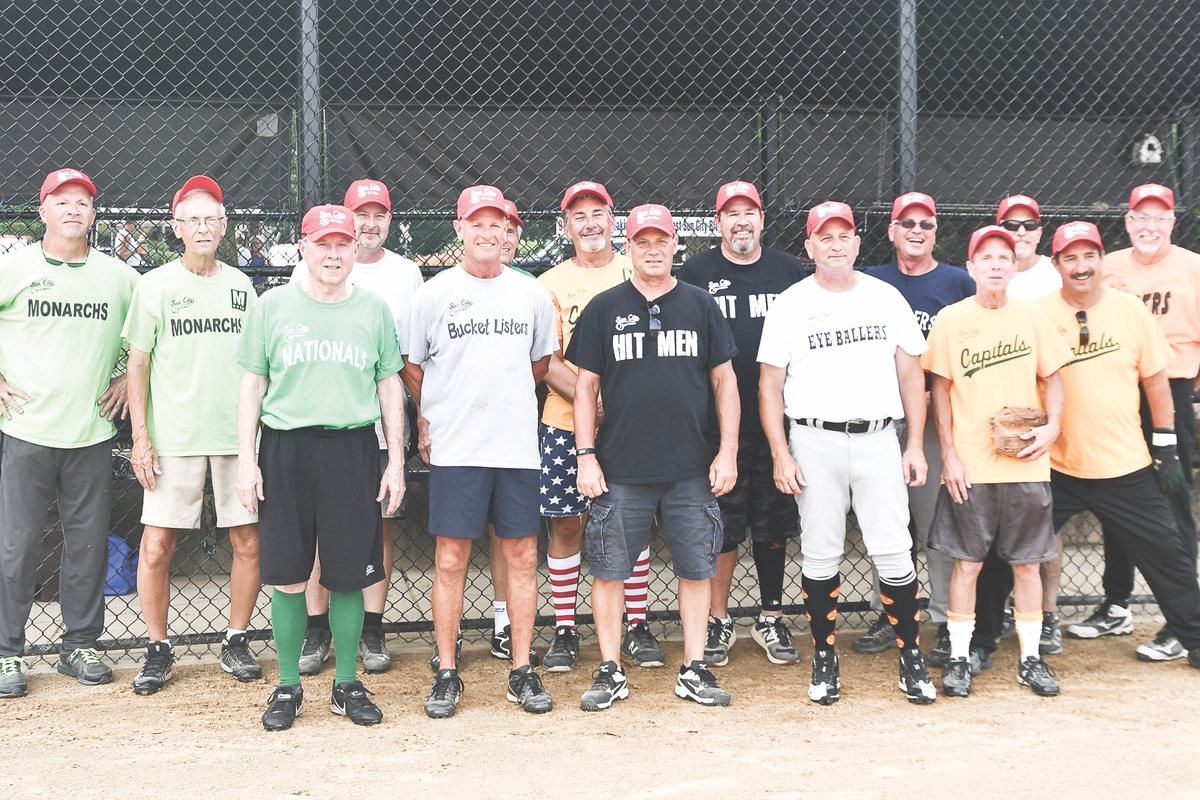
[[442, 686], [706, 677], [10, 666], [531, 682], [87, 655]]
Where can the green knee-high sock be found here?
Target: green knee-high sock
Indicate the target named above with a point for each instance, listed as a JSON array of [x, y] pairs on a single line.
[[288, 618], [346, 623]]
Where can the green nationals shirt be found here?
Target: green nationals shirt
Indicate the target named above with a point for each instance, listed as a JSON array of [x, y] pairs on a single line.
[[188, 325], [60, 337], [321, 359]]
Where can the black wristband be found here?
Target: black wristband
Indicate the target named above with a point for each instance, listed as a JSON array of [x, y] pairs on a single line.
[[1164, 430], [585, 451]]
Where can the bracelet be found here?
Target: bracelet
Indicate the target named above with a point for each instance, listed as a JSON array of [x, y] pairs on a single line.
[[585, 451]]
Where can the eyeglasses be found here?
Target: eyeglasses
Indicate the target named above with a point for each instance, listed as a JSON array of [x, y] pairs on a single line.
[[1015, 225], [909, 224], [655, 322], [1157, 219], [1081, 318], [192, 223]]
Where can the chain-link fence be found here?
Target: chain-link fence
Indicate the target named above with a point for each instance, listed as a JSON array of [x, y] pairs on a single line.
[[285, 102]]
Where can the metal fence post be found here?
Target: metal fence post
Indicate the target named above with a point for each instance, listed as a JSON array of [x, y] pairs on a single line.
[[309, 136], [1189, 192], [906, 133], [770, 160]]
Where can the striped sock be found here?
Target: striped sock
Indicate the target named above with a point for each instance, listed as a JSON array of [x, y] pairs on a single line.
[[636, 589], [564, 587]]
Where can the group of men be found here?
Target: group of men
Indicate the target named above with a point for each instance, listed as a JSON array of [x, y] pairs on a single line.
[[736, 400]]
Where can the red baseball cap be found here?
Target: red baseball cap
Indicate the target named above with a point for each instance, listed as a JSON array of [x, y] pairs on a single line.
[[829, 210], [738, 189], [649, 217], [473, 198], [910, 199], [983, 234], [199, 183], [61, 177], [367, 191], [1151, 191], [577, 190], [1018, 201], [510, 211], [321, 221], [1072, 232]]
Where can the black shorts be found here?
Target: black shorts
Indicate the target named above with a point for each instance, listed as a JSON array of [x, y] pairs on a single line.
[[755, 503], [319, 488]]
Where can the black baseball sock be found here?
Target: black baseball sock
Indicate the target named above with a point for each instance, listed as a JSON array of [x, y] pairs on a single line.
[[769, 562], [319, 620], [371, 619], [903, 609], [820, 606]]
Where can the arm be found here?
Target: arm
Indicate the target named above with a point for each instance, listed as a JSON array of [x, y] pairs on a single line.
[[788, 477], [912, 397], [249, 479], [560, 377], [413, 376], [587, 393], [954, 471], [145, 457], [540, 368], [115, 397], [391, 410], [722, 475], [1163, 443], [1044, 436], [1158, 397]]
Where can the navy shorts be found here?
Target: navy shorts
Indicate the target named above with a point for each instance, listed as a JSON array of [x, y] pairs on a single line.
[[560, 495], [755, 505], [620, 521], [462, 500]]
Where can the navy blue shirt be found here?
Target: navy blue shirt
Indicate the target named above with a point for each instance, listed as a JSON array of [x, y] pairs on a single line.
[[929, 293]]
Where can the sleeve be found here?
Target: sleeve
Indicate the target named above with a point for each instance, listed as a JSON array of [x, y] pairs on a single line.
[[587, 347], [418, 327], [1155, 351], [545, 339], [937, 358], [773, 347], [1052, 351], [143, 321], [966, 283], [721, 346], [908, 333], [251, 348], [390, 361], [558, 326]]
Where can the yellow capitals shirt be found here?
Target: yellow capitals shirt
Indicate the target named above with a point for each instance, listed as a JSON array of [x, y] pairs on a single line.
[[993, 358], [571, 287], [1101, 426], [1171, 291]]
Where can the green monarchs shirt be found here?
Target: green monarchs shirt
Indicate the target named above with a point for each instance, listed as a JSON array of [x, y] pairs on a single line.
[[321, 360], [188, 325]]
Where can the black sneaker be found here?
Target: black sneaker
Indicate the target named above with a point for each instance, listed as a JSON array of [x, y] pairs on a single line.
[[695, 682], [641, 646], [502, 646], [1193, 659], [980, 660], [914, 678], [939, 656], [371, 647], [236, 659], [956, 680], [285, 705], [315, 651], [879, 637], [721, 637], [1051, 641], [353, 700], [563, 652], [525, 687], [12, 682], [1008, 625], [435, 662], [156, 670], [85, 666], [826, 678], [608, 686], [443, 700], [1037, 675]]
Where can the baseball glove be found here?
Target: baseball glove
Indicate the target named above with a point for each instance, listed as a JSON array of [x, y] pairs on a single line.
[[1009, 423]]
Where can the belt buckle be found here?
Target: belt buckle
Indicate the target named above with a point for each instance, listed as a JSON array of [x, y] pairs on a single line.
[[850, 422]]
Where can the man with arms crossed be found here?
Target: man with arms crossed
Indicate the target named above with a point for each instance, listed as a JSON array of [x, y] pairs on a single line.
[[184, 320], [652, 346], [985, 353], [744, 278], [321, 361], [481, 339], [62, 305], [839, 357]]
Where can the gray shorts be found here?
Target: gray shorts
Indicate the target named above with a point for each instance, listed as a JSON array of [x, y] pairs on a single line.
[[620, 521], [1018, 517]]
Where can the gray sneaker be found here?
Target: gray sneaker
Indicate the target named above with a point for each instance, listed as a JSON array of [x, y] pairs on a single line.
[[443, 700], [315, 651], [773, 636], [85, 666], [956, 680], [608, 686], [12, 682], [1051, 642], [1037, 675], [980, 660], [721, 636], [1164, 647], [563, 652], [525, 687], [375, 656], [879, 637], [696, 682], [156, 670], [641, 646]]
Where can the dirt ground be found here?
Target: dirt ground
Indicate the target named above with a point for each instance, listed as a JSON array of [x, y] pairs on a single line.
[[1120, 728]]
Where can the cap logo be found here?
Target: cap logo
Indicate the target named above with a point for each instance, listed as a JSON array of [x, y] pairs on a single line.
[[648, 214], [332, 217], [579, 187], [738, 187], [1156, 191], [479, 195], [912, 197], [68, 174], [368, 189], [1075, 230], [1020, 199], [832, 207]]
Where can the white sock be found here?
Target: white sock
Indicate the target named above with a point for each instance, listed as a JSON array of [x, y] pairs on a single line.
[[500, 609], [231, 632], [1029, 633], [960, 636]]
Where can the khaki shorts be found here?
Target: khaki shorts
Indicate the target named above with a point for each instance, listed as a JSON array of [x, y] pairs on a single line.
[[179, 492]]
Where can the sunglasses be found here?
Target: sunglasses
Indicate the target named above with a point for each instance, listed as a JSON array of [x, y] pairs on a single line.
[[655, 322], [1015, 225], [909, 224], [1081, 318]]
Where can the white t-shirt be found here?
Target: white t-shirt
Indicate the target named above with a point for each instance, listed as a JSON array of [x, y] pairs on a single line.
[[839, 349], [1036, 282], [476, 339], [131, 242]]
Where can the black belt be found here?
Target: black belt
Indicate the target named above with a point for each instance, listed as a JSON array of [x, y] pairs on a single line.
[[850, 426]]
